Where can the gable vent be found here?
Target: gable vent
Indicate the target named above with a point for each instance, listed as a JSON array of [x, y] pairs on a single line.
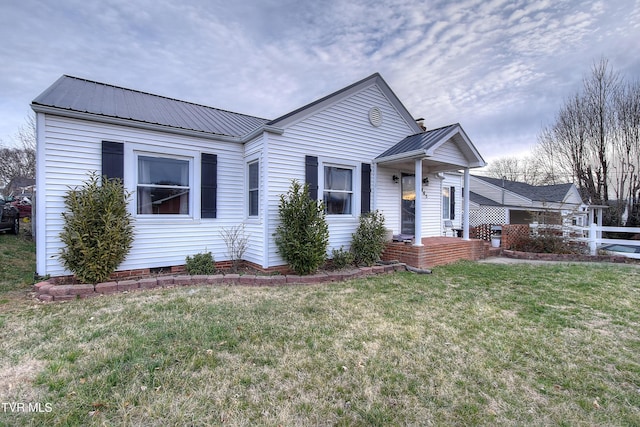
[[375, 116]]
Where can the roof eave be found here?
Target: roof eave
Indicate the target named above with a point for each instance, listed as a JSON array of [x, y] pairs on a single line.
[[409, 155], [38, 108], [262, 129]]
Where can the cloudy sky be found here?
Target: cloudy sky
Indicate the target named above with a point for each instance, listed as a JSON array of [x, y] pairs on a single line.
[[501, 68]]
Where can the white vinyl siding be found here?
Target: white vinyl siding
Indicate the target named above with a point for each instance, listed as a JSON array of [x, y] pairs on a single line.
[[497, 194], [73, 147], [449, 153], [340, 131]]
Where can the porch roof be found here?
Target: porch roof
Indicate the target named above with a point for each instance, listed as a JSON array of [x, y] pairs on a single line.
[[427, 145]]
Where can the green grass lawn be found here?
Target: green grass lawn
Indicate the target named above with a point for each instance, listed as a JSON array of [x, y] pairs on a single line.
[[17, 261], [471, 344]]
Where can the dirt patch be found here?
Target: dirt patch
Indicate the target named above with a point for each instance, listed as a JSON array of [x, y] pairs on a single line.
[[18, 380]]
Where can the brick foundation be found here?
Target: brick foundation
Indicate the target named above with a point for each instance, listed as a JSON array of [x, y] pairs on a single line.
[[436, 251]]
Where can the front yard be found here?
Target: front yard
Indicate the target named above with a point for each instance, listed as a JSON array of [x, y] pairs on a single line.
[[471, 344]]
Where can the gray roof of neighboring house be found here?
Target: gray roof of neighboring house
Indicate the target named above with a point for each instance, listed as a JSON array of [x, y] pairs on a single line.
[[542, 193], [85, 96], [481, 200], [420, 141]]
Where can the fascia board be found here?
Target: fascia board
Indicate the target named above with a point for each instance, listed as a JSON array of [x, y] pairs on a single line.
[[409, 155], [132, 123]]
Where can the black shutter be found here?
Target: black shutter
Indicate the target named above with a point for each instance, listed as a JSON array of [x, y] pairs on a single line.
[[208, 185], [311, 175], [113, 159], [365, 188], [452, 202]]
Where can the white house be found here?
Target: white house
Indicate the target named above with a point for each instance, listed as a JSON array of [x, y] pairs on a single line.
[[196, 170], [501, 201]]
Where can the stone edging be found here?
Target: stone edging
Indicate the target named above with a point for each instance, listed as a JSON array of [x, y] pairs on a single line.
[[565, 257], [47, 292]]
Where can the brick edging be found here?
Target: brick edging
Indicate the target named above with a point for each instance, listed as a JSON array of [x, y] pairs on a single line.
[[565, 257], [47, 291]]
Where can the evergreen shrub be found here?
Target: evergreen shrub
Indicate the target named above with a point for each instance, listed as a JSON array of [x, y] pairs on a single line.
[[302, 236], [368, 242], [97, 232]]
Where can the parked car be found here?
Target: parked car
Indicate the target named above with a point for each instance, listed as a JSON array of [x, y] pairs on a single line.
[[629, 251], [23, 203], [9, 217]]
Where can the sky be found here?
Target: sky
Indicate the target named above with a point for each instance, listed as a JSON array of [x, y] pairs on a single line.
[[500, 68]]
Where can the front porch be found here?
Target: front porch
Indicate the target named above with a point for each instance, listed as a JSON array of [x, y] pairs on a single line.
[[436, 251]]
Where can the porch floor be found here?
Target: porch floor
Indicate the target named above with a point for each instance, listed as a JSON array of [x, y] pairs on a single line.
[[436, 251]]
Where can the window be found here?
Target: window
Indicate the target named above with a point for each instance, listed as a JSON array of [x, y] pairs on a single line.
[[338, 190], [163, 185], [448, 202], [254, 184]]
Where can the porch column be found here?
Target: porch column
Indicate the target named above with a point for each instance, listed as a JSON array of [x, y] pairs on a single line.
[[417, 241], [465, 206]]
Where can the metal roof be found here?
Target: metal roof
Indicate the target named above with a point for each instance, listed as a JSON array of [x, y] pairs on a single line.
[[85, 96], [420, 141], [541, 193]]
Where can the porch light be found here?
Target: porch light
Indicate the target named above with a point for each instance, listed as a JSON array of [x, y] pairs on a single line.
[[425, 181], [395, 179]]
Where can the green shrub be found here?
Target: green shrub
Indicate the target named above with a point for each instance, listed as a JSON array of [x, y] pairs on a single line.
[[368, 242], [97, 233], [341, 258], [302, 235], [202, 263]]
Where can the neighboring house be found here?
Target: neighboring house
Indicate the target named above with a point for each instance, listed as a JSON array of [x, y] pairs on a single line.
[[196, 170], [500, 201], [20, 185]]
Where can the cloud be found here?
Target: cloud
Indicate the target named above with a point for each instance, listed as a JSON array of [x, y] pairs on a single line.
[[500, 67]]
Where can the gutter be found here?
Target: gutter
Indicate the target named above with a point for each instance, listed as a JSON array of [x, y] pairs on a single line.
[[152, 126]]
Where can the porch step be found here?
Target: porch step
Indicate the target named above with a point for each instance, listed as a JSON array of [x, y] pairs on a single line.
[[494, 251]]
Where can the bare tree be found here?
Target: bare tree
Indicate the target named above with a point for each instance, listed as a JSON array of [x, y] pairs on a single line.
[[594, 139], [626, 166], [19, 161], [523, 169], [599, 94]]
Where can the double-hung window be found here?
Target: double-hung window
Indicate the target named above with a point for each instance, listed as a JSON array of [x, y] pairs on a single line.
[[254, 188], [163, 186], [338, 190], [448, 202]]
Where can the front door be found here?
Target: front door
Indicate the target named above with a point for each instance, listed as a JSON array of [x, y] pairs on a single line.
[[408, 203]]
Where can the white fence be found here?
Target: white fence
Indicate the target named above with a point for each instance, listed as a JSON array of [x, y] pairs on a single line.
[[594, 238]]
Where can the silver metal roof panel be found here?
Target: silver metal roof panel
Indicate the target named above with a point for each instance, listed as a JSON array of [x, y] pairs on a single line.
[[85, 96]]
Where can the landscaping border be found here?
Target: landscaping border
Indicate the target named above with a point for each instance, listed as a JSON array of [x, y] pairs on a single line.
[[48, 292], [567, 257]]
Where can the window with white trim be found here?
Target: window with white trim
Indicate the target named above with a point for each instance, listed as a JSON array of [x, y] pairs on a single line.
[[163, 185], [254, 188], [448, 202], [338, 190]]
